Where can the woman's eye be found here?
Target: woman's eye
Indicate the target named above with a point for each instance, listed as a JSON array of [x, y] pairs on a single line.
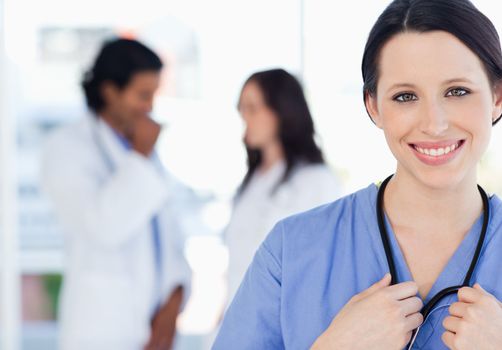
[[457, 92], [407, 97]]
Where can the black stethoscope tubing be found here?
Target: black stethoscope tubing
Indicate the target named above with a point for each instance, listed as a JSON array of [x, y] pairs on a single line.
[[427, 308]]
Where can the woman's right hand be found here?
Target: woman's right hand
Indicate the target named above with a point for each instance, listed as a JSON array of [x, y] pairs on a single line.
[[380, 317]]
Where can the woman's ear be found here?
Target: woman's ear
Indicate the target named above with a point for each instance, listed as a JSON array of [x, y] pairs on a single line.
[[370, 102], [109, 92], [497, 103]]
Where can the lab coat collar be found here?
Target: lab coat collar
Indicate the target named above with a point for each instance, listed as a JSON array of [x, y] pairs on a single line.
[[108, 137]]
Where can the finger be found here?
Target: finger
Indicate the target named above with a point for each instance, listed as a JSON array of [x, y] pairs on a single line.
[[481, 290], [384, 282], [407, 339], [154, 123], [411, 305], [413, 321], [448, 339], [452, 323], [157, 131], [458, 309], [478, 287], [403, 290], [469, 295]]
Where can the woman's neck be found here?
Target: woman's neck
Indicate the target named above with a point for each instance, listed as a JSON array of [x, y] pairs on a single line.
[[272, 154], [418, 208]]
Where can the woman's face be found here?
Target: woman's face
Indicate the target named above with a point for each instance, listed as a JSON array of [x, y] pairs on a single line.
[[262, 124], [436, 105]]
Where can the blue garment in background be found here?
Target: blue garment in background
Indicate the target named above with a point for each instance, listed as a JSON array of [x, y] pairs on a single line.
[[312, 263], [154, 223]]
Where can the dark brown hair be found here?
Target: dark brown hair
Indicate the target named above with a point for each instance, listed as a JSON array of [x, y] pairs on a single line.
[[457, 17]]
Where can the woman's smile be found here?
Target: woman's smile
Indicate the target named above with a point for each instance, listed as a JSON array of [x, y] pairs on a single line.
[[437, 153]]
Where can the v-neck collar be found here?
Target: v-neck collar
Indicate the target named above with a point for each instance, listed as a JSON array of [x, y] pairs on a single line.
[[455, 269]]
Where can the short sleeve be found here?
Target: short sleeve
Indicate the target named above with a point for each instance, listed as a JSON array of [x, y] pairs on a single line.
[[253, 319]]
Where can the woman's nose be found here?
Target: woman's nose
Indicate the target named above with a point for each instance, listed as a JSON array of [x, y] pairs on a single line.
[[434, 119]]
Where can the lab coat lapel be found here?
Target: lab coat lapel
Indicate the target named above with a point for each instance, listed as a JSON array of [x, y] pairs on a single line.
[[109, 142]]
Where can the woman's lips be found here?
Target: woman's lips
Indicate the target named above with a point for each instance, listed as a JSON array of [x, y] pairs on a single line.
[[436, 153]]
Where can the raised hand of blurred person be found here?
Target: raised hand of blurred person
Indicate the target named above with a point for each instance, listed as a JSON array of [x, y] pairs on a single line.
[[143, 134]]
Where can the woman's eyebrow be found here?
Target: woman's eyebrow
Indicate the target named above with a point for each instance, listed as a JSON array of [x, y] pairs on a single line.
[[401, 85], [446, 82], [458, 80]]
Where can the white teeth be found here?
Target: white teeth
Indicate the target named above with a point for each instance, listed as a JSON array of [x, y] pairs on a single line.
[[435, 152]]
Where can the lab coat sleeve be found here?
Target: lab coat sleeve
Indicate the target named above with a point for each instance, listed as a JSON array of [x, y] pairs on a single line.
[[253, 319], [177, 272], [110, 211]]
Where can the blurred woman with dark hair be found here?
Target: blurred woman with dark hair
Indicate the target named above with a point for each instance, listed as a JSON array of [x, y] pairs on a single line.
[[286, 169]]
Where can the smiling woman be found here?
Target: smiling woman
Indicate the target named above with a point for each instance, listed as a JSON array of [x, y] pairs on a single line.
[[432, 72]]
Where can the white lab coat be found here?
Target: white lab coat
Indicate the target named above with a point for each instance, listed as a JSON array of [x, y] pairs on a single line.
[[256, 210], [109, 293]]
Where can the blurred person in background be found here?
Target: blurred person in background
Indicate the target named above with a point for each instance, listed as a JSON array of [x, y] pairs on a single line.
[[126, 278], [286, 171]]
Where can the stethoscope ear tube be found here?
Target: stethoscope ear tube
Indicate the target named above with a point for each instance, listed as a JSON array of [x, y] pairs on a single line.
[[496, 120], [383, 231], [482, 235]]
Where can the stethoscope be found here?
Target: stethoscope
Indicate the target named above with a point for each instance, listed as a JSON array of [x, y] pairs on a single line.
[[428, 308]]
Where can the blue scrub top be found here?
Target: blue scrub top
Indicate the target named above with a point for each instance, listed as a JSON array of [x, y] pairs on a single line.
[[312, 263]]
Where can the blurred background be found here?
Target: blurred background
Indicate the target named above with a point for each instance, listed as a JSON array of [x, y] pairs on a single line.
[[210, 48]]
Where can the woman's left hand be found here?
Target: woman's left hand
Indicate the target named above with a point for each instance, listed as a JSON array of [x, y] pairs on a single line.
[[475, 321]]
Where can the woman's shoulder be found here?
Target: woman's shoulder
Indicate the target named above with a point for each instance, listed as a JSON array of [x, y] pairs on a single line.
[[347, 205], [496, 215]]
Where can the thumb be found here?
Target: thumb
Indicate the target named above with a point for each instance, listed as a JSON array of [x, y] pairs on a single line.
[[477, 286], [384, 282]]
